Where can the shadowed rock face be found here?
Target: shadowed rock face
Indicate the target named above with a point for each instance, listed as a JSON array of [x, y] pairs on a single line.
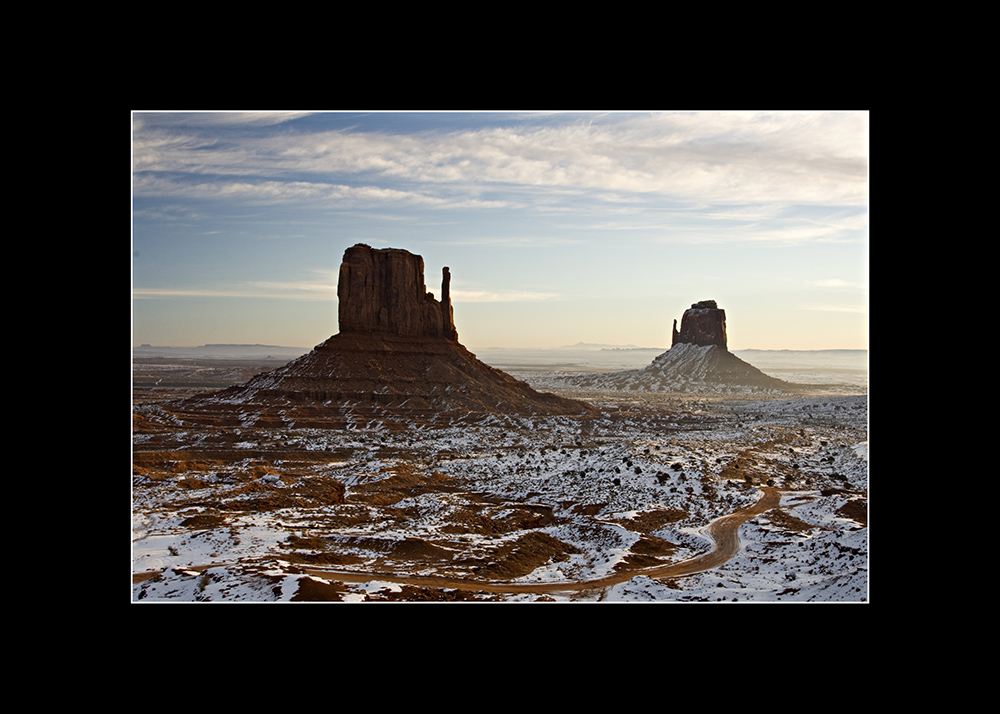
[[381, 291], [703, 324]]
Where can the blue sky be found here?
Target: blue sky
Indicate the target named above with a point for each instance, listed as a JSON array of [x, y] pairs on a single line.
[[558, 227]]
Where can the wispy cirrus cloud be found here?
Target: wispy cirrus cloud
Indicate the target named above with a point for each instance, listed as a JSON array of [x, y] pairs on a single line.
[[266, 192], [836, 283], [251, 290], [820, 307], [320, 291], [491, 296], [144, 119], [740, 158], [717, 157], [321, 284], [317, 285]]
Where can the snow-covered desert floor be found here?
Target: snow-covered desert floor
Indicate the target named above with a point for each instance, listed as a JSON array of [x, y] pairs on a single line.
[[603, 509]]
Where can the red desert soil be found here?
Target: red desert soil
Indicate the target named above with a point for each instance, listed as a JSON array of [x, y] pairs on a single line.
[[724, 532]]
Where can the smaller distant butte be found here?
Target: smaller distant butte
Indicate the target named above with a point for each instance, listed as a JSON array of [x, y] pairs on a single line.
[[698, 360]]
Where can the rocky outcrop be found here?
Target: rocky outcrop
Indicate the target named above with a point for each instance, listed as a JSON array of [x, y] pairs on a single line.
[[698, 361], [687, 368], [381, 291], [396, 362], [702, 324]]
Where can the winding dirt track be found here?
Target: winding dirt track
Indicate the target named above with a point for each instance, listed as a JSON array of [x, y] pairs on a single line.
[[724, 531]]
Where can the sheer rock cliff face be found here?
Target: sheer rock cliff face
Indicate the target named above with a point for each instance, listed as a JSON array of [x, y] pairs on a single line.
[[702, 324], [381, 291], [396, 361]]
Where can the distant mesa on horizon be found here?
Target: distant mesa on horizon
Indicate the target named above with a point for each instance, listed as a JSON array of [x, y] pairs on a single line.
[[579, 347], [603, 346], [220, 351], [221, 345]]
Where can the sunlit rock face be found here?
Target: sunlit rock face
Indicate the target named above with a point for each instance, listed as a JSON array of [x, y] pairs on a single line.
[[702, 324]]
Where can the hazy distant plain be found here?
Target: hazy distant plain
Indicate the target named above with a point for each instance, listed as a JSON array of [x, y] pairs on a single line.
[[847, 367]]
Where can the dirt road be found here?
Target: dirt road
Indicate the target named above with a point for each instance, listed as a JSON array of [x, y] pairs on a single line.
[[724, 531]]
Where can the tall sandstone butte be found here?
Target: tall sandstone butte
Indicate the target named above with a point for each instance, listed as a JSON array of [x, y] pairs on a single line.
[[703, 324], [396, 359], [381, 291]]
